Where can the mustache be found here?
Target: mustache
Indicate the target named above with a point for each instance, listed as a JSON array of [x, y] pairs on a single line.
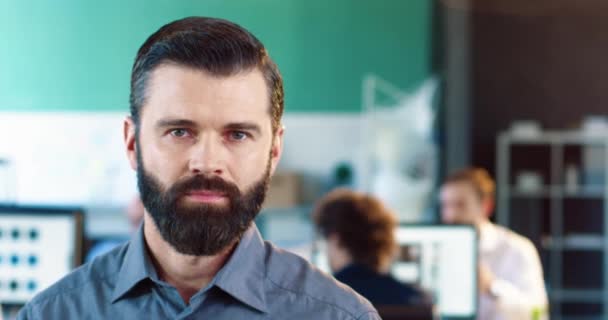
[[199, 182]]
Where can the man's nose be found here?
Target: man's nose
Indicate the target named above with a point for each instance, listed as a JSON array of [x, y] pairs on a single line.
[[206, 156]]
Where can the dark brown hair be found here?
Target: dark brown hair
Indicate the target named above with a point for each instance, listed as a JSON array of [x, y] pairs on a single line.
[[216, 46], [364, 226], [478, 178]]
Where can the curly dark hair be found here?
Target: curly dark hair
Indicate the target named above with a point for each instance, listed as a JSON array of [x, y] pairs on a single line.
[[364, 226]]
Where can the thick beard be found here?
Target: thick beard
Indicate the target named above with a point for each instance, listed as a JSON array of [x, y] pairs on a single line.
[[203, 229]]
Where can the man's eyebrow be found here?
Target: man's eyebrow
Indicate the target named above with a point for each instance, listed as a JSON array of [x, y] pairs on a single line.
[[163, 123], [247, 126]]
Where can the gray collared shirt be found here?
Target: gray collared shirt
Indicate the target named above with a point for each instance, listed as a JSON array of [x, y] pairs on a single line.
[[259, 281]]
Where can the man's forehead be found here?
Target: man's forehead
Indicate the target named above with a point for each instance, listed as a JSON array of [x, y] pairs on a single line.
[[460, 188], [176, 91], [171, 77]]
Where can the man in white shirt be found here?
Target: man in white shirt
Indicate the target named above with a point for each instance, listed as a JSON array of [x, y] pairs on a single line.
[[511, 284]]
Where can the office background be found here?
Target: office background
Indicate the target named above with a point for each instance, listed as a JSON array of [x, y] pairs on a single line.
[[64, 85]]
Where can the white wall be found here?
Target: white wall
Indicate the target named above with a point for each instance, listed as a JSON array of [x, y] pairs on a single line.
[[68, 158]]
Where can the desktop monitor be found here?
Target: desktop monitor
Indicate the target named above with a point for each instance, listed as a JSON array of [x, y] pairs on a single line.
[[439, 258], [38, 246], [442, 260]]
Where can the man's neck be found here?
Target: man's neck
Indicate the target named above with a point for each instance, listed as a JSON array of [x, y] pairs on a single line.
[[187, 273], [482, 223]]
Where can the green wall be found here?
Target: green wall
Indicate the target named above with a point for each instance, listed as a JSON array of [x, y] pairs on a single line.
[[77, 54]]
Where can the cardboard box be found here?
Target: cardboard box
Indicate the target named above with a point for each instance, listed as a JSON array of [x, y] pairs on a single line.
[[283, 191]]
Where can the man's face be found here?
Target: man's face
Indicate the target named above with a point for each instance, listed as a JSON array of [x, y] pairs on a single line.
[[460, 204], [204, 155]]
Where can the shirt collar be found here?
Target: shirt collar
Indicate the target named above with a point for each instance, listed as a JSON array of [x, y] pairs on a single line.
[[242, 276], [488, 237], [136, 266]]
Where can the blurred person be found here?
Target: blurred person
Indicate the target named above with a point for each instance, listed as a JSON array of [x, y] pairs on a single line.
[[204, 137], [511, 284], [135, 215], [361, 245]]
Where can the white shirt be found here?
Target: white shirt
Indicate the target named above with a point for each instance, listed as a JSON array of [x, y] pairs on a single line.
[[519, 287]]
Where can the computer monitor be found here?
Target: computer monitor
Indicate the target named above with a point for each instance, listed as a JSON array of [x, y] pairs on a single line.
[[38, 246], [442, 260], [439, 258]]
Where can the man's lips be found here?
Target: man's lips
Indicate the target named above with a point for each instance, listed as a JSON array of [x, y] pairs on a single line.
[[208, 196]]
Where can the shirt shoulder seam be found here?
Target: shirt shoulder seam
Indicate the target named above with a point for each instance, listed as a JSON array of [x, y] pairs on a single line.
[[366, 313], [320, 300]]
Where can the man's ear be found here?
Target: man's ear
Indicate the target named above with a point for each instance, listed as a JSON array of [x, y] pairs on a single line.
[[277, 149], [129, 135]]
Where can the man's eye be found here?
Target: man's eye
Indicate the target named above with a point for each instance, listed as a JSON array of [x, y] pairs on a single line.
[[179, 133], [238, 135]]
